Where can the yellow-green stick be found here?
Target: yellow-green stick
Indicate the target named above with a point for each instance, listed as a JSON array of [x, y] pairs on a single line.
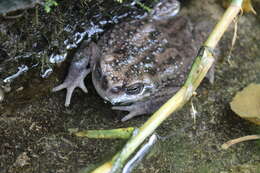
[[122, 133]]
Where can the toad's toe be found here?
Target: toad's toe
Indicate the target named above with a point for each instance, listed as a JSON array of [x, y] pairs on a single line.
[[72, 82], [134, 110]]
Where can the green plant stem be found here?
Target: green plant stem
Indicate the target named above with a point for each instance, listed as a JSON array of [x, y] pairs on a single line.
[[122, 133]]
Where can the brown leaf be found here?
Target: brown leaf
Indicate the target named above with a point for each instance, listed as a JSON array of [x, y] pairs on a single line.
[[247, 5], [246, 103]]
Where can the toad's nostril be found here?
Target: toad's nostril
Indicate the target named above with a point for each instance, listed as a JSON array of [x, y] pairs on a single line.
[[98, 71], [104, 83]]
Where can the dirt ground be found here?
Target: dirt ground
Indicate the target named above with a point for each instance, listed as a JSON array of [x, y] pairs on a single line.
[[35, 127]]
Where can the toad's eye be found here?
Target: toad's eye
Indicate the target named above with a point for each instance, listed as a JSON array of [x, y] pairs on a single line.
[[134, 89]]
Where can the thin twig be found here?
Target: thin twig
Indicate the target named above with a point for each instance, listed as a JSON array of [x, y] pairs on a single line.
[[238, 140]]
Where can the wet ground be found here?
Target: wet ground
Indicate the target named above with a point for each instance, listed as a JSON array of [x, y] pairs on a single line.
[[35, 126]]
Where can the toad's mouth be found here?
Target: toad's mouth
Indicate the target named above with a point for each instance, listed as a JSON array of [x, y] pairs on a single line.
[[119, 95], [101, 85], [114, 99]]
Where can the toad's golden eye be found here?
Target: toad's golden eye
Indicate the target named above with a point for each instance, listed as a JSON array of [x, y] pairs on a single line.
[[134, 89]]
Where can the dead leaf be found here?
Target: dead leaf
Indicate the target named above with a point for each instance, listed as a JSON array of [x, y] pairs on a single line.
[[247, 5], [246, 103]]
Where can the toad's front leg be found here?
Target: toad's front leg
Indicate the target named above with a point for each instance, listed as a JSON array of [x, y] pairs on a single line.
[[148, 106], [79, 69]]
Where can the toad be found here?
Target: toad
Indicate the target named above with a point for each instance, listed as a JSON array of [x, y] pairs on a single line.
[[138, 64]]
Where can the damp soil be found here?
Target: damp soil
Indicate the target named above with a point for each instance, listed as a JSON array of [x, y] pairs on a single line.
[[35, 127]]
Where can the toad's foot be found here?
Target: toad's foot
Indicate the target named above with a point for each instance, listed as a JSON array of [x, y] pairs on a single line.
[[148, 106], [139, 108], [134, 110], [80, 67], [74, 79]]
